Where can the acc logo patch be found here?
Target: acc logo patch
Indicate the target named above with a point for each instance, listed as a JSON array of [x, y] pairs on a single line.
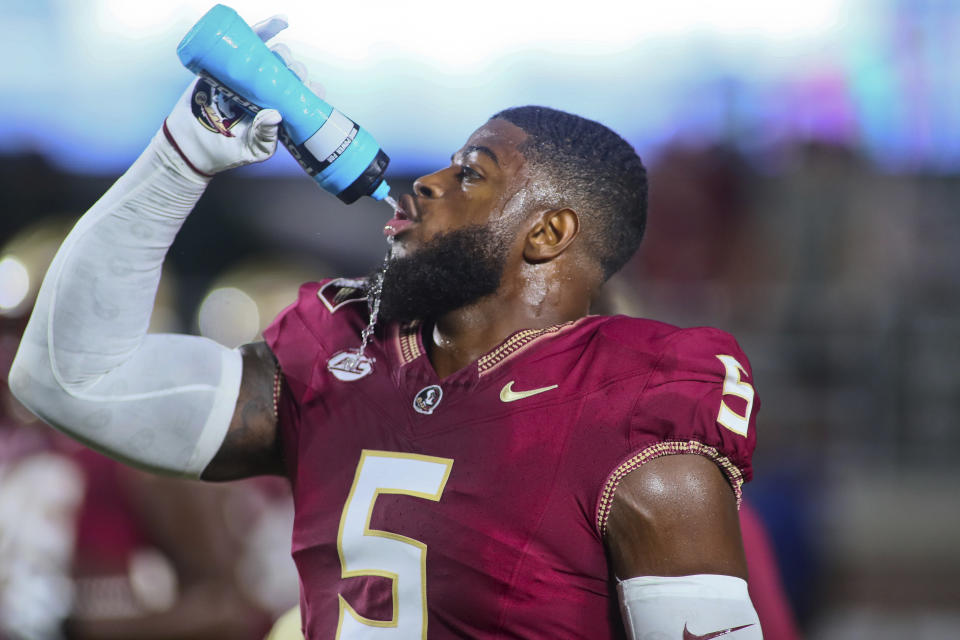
[[214, 110], [350, 365], [427, 399]]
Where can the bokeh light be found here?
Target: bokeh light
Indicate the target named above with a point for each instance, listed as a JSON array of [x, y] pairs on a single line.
[[229, 316], [14, 283]]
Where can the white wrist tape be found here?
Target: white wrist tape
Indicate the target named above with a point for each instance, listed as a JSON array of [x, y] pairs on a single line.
[[85, 364], [699, 606]]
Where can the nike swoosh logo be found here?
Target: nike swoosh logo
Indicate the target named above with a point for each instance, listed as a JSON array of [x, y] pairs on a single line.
[[716, 634], [507, 394]]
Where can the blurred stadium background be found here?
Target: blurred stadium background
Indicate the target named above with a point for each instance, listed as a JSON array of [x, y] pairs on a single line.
[[805, 176]]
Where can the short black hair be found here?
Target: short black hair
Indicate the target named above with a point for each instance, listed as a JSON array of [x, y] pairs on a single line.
[[592, 170]]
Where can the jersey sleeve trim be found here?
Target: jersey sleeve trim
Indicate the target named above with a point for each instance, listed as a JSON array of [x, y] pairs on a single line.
[[733, 473], [277, 382]]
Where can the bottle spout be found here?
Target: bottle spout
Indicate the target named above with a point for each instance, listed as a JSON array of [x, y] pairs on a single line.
[[381, 192]]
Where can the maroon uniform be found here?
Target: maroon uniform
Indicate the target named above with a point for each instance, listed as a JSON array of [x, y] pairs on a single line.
[[475, 505]]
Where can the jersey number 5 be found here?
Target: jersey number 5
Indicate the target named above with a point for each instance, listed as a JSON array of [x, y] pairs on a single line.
[[373, 552], [734, 386]]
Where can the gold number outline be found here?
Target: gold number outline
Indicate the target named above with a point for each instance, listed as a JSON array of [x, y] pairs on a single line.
[[734, 385], [368, 531]]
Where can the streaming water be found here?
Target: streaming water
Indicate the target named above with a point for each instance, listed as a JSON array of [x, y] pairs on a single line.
[[374, 293]]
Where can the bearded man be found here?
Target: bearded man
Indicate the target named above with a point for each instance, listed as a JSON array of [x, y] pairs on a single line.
[[471, 454]]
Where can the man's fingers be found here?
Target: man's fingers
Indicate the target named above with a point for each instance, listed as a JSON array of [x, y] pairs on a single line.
[[284, 53], [263, 133], [298, 68], [267, 118], [318, 89], [271, 26]]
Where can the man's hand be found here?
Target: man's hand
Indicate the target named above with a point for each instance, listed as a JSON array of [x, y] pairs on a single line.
[[213, 133]]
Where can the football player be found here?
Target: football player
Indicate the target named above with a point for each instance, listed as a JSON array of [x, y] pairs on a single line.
[[471, 453]]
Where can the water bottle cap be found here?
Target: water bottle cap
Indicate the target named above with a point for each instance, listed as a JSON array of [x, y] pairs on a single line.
[[371, 180]]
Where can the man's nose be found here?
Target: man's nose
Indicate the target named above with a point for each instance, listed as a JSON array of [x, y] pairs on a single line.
[[428, 186]]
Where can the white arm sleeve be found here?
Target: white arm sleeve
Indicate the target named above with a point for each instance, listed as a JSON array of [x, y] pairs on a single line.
[[689, 607], [86, 364]]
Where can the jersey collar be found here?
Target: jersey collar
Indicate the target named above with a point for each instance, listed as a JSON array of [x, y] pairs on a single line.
[[407, 341]]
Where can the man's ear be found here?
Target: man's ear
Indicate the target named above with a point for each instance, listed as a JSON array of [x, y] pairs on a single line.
[[551, 234]]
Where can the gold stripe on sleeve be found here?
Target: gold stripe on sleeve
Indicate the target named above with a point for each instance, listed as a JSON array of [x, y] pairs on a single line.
[[733, 473]]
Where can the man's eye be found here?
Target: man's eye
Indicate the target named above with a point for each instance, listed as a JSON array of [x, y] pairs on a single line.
[[466, 173]]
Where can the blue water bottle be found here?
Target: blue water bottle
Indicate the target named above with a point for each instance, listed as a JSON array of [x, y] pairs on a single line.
[[340, 155]]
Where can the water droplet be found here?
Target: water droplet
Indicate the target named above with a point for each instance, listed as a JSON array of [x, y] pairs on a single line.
[[393, 203]]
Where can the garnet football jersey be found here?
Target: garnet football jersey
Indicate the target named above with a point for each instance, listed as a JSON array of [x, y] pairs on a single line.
[[475, 505]]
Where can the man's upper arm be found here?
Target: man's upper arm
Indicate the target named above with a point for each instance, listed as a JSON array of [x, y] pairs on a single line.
[[676, 515], [692, 435], [251, 446]]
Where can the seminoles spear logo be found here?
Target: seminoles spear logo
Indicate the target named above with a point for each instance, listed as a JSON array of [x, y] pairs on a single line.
[[427, 399], [213, 109]]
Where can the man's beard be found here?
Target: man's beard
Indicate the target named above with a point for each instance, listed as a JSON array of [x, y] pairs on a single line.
[[450, 271]]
